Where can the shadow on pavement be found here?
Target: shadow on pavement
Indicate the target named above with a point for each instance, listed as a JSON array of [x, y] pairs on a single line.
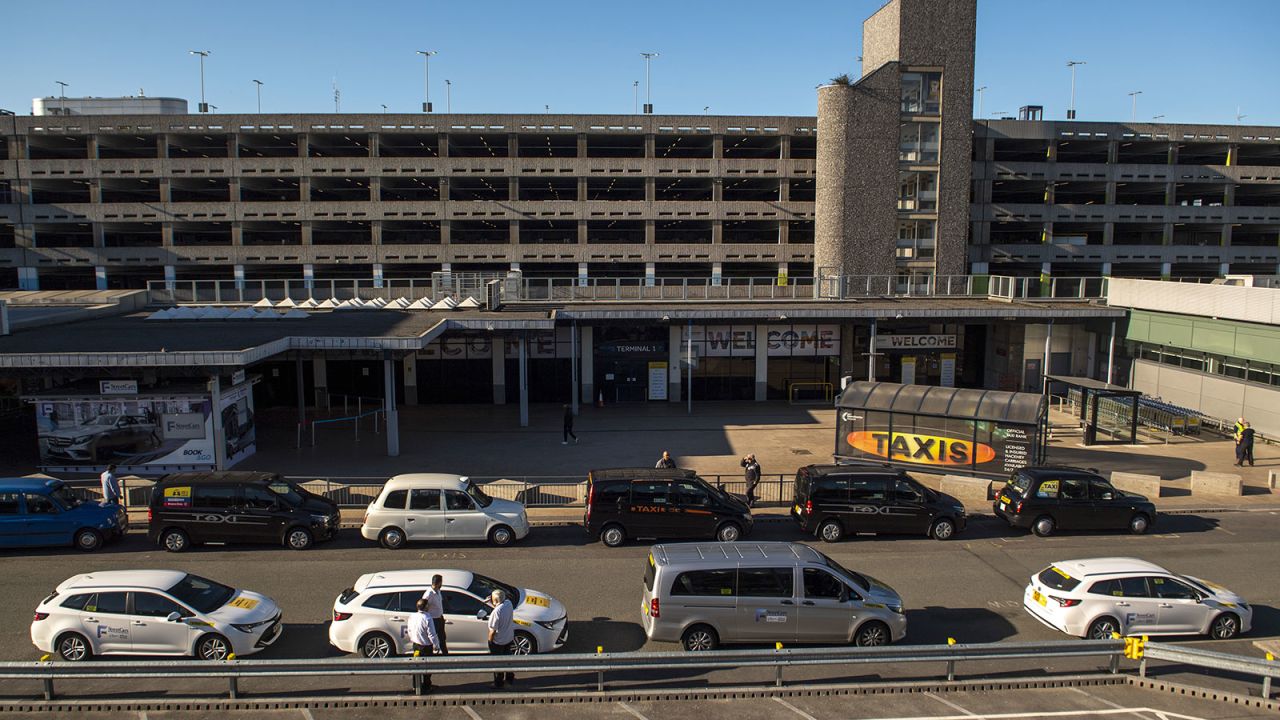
[[1266, 623], [613, 635], [932, 625], [1168, 468]]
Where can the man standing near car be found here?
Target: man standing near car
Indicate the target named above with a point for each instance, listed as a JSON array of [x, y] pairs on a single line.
[[568, 427], [435, 609], [751, 472], [422, 634], [502, 634], [110, 485], [665, 462]]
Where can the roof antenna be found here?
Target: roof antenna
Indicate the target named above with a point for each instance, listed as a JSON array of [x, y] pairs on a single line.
[[141, 92]]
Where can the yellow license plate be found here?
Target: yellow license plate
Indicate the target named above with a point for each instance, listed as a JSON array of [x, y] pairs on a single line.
[[1035, 595], [797, 510]]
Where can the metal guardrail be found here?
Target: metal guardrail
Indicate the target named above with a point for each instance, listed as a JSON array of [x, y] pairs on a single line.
[[1268, 670], [632, 289], [47, 673]]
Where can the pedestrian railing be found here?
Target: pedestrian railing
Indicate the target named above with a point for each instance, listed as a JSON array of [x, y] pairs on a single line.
[[1267, 669], [571, 667]]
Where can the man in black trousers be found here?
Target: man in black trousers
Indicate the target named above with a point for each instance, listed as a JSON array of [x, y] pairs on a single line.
[[568, 426]]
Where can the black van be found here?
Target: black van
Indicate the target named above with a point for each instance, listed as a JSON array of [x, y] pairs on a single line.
[[233, 507], [656, 503], [832, 501]]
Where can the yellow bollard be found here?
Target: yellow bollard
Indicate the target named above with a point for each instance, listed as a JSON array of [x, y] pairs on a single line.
[[1270, 657], [47, 656], [777, 646], [951, 641], [231, 657], [599, 649]]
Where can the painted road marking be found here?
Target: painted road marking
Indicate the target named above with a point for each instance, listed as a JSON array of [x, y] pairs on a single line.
[[1142, 712], [306, 714], [951, 705], [1104, 701], [632, 710], [470, 713], [794, 709]]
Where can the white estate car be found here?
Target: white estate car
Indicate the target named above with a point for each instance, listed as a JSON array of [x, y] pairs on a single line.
[[437, 506], [371, 617], [1095, 597], [153, 612]]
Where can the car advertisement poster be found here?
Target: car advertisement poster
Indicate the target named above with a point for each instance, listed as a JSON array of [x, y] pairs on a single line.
[[936, 444]]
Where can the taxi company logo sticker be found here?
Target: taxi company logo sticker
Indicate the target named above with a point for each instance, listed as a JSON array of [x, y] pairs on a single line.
[[244, 603], [112, 632], [921, 449], [537, 600], [763, 615]]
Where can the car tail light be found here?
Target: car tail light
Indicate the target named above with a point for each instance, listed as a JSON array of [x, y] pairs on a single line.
[[148, 514], [591, 495], [340, 616], [653, 608], [39, 616], [1064, 602], [808, 506], [1018, 508]]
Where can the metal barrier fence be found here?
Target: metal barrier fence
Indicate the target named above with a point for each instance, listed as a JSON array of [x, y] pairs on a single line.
[[572, 289], [1152, 413], [1267, 669], [810, 393], [233, 671]]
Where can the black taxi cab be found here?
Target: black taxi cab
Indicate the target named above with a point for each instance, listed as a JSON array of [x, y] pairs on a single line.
[[627, 503], [1047, 499]]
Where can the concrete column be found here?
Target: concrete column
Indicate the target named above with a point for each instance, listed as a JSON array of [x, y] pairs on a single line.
[[1225, 237], [443, 146], [375, 232], [980, 268], [1224, 269], [717, 232], [166, 234], [582, 145], [515, 268], [499, 370], [847, 356], [587, 368], [582, 274], [95, 192], [237, 233], [375, 189], [238, 274], [446, 232], [717, 190], [582, 232], [305, 232], [100, 277], [28, 278], [320, 371], [782, 274], [300, 378], [717, 273], [1166, 270], [219, 435], [650, 232], [377, 275], [717, 146], [1108, 233], [411, 379], [309, 276], [650, 188], [99, 235], [513, 188], [762, 362], [1106, 269], [582, 185], [513, 232], [523, 351], [675, 354], [389, 405], [170, 277], [650, 272]]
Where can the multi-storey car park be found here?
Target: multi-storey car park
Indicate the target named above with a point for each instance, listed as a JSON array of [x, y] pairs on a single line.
[[630, 257]]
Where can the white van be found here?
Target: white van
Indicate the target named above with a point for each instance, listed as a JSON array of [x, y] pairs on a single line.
[[437, 506]]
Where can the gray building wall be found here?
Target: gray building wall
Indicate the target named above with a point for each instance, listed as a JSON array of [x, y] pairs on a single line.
[[1214, 395]]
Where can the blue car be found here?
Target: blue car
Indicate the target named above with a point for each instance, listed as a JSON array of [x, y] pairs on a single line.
[[37, 512]]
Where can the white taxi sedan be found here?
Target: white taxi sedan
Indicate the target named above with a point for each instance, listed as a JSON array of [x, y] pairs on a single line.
[[1096, 597], [371, 617], [153, 612]]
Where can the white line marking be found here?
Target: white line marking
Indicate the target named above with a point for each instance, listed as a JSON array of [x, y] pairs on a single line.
[[1224, 530], [632, 710], [1162, 714], [305, 714], [142, 715], [1108, 703], [471, 713], [951, 705], [794, 709]]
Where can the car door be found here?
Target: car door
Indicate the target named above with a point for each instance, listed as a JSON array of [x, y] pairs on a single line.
[[383, 613], [214, 507], [650, 510], [13, 521], [824, 616], [151, 630], [392, 512], [1134, 606], [106, 622], [767, 610], [1110, 510], [259, 516], [908, 509], [1075, 509], [425, 518], [868, 502], [691, 509], [462, 519], [47, 524], [1178, 605], [466, 631]]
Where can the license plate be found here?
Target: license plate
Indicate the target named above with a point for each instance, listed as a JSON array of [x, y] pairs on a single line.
[[797, 510], [1003, 505], [1035, 595]]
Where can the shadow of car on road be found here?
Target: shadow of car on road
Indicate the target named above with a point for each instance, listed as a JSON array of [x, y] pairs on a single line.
[[933, 625]]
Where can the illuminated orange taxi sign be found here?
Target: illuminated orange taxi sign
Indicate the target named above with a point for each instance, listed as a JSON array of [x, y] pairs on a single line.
[[922, 449]]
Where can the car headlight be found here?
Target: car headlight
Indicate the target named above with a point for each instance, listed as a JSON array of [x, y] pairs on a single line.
[[896, 608], [958, 509], [322, 519], [82, 440], [250, 627], [548, 624]]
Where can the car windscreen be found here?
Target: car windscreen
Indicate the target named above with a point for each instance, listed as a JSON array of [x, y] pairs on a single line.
[[1052, 577], [203, 596], [66, 496], [478, 495], [859, 580], [101, 421], [288, 491], [483, 587]]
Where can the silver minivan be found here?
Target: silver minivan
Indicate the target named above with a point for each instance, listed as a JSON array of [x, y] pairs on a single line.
[[705, 594]]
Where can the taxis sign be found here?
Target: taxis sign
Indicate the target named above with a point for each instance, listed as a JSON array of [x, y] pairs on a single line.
[[921, 449]]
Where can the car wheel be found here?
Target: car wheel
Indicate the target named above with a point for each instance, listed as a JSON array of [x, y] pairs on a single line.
[[943, 529], [613, 535], [298, 538], [1103, 628], [376, 645], [831, 531], [501, 535], [392, 538], [699, 638], [728, 532], [872, 634], [174, 540], [1139, 523], [88, 539], [73, 647], [524, 644], [1043, 526], [1225, 627], [213, 647]]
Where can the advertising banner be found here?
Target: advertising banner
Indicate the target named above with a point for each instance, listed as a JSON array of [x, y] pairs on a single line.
[[915, 343], [945, 445], [657, 381], [909, 370], [948, 370]]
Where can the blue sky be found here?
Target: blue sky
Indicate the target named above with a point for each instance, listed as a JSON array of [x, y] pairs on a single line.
[[1193, 61]]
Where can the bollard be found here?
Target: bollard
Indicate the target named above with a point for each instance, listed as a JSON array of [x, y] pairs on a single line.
[[1266, 680], [777, 679], [234, 682], [951, 664], [416, 679], [600, 673]]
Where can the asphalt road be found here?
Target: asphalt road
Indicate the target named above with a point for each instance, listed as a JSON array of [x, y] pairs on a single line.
[[969, 588]]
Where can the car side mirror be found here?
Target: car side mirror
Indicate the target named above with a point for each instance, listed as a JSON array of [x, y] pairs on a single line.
[[482, 614], [844, 594], [174, 617]]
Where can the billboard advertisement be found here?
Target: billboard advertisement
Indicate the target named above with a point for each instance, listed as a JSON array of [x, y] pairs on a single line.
[[935, 444]]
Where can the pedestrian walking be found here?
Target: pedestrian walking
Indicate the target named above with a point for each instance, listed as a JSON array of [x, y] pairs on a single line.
[[422, 634], [435, 609], [110, 485], [665, 462], [502, 634], [1244, 448], [751, 473], [568, 427]]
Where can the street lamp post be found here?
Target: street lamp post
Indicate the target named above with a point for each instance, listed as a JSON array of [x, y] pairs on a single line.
[[448, 96], [259, 88], [1156, 117], [980, 91], [648, 86], [1134, 95], [204, 106], [635, 85], [1071, 109], [62, 95], [426, 83]]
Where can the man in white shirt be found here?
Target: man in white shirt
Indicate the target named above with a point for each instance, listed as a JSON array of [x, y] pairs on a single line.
[[502, 634], [422, 634], [110, 486], [435, 608]]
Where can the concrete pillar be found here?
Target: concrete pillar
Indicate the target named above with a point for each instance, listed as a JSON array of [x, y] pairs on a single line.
[[305, 233], [170, 277], [219, 435], [166, 234], [582, 232], [650, 272], [513, 232], [847, 356], [1108, 233], [717, 273], [99, 235], [309, 276], [782, 274], [523, 352], [28, 278], [389, 405], [411, 379], [675, 353], [762, 362], [1224, 269], [1166, 270], [446, 232], [100, 278], [499, 370], [301, 380], [320, 371], [582, 274], [515, 268], [717, 232], [980, 268], [377, 275], [1106, 269], [587, 369], [650, 232], [237, 233]]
